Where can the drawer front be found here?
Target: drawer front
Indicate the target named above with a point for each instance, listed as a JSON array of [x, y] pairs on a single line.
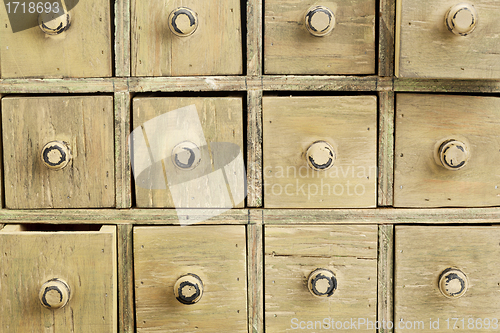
[[58, 152], [447, 151], [326, 37], [211, 129], [448, 39], [180, 38], [320, 152], [441, 274], [190, 278], [300, 261], [76, 44], [83, 298]]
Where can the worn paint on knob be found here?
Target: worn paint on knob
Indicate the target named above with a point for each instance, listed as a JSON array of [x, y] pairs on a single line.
[[54, 23], [453, 154], [320, 21], [453, 283], [183, 21], [461, 19], [186, 155], [188, 289], [322, 283], [320, 156], [56, 155], [54, 294]]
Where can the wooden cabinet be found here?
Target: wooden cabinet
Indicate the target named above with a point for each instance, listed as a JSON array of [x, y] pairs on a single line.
[[58, 280], [447, 151], [190, 278], [35, 43], [181, 38]]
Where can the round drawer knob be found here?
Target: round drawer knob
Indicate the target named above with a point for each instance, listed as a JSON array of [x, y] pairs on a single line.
[[320, 21], [461, 19], [453, 283], [183, 22], [320, 156], [453, 154], [188, 289], [56, 155], [54, 23], [186, 155], [322, 283], [54, 294]]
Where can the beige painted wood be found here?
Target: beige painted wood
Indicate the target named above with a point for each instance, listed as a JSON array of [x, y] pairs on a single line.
[[84, 50], [122, 37], [85, 260], [428, 49], [213, 49], [216, 254], [254, 12], [290, 49], [386, 148], [424, 121], [221, 121], [292, 253], [423, 253], [86, 124], [292, 124], [123, 179]]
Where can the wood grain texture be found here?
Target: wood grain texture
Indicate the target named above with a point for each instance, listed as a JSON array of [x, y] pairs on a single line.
[[158, 52], [122, 38], [254, 149], [386, 37], [446, 85], [290, 49], [85, 260], [428, 50], [386, 149], [123, 172], [424, 121], [84, 50], [292, 253], [254, 37], [255, 259], [423, 253], [217, 254], [220, 119], [385, 276], [86, 124], [126, 309], [292, 124]]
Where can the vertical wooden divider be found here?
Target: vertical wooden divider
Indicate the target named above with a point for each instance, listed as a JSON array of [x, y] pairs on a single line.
[[386, 23], [122, 38], [386, 148], [123, 174], [385, 276], [126, 312], [255, 264]]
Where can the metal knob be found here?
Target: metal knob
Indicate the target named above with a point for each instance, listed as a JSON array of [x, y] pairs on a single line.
[[54, 294], [54, 23], [320, 156], [188, 289], [461, 19], [453, 283], [320, 21], [183, 21], [56, 155], [453, 154], [186, 155], [322, 283]]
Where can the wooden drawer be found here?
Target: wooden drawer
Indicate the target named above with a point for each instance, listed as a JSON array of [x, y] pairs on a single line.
[[190, 279], [177, 124], [320, 152], [58, 151], [346, 283], [446, 273], [180, 38], [447, 151], [434, 39], [326, 37], [81, 48], [80, 268]]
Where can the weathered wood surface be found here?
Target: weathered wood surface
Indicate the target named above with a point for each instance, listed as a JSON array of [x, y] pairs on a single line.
[[216, 254], [86, 260], [385, 276], [254, 149], [123, 172], [386, 104], [126, 314], [386, 21], [122, 38], [254, 13], [255, 246]]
